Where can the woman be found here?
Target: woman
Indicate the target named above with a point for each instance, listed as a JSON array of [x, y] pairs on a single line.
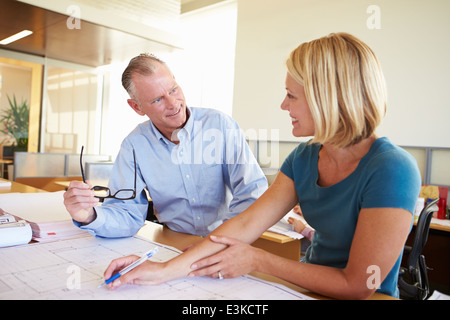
[[356, 190]]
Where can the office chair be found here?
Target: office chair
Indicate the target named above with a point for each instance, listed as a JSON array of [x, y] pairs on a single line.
[[151, 216], [413, 279]]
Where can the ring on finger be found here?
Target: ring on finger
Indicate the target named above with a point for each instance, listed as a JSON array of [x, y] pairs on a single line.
[[220, 276]]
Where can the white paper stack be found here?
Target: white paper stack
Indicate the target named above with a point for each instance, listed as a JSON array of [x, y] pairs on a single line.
[[12, 232], [284, 227], [45, 212], [5, 183]]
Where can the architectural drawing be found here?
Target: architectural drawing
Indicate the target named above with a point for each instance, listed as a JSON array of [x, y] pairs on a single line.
[[73, 268]]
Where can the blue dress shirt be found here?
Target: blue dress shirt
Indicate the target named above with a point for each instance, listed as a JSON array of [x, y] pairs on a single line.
[[209, 177]]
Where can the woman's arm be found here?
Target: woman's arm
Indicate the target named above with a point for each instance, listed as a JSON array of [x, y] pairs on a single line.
[[379, 239], [245, 227]]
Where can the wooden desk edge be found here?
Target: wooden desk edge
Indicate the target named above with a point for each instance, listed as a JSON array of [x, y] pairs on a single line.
[[439, 227], [436, 226], [19, 187], [276, 237]]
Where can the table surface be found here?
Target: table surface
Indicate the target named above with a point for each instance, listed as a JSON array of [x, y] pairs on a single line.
[[162, 234], [19, 187]]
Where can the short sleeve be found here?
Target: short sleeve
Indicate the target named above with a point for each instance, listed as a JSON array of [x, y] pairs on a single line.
[[286, 167], [394, 182]]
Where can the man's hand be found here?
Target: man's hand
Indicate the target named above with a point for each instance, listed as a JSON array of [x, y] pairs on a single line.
[[80, 202]]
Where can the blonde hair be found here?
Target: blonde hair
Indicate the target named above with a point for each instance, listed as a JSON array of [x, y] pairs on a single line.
[[344, 86]]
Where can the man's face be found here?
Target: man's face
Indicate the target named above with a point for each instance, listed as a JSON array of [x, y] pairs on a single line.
[[160, 98]]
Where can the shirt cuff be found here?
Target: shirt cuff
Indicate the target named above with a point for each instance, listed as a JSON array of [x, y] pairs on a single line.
[[94, 225], [307, 233]]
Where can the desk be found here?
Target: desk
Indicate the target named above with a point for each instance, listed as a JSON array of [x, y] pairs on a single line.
[[64, 184], [436, 226], [161, 234], [279, 244], [19, 187], [275, 243]]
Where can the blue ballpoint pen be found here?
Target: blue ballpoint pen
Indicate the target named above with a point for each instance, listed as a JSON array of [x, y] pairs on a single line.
[[138, 262]]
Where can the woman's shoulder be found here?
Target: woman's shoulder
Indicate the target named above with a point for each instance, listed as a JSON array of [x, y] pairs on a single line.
[[304, 156], [305, 149], [383, 152]]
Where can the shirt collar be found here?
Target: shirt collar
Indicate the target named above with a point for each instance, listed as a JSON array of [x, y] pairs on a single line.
[[187, 128], [189, 124]]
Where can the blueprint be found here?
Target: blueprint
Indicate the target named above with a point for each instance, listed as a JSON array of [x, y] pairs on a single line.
[[73, 269]]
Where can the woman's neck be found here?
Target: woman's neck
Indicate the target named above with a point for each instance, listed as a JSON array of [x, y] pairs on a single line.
[[335, 164]]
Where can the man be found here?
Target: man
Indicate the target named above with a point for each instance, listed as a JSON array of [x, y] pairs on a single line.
[[194, 162]]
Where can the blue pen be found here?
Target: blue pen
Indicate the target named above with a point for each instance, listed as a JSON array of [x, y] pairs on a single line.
[[138, 262]]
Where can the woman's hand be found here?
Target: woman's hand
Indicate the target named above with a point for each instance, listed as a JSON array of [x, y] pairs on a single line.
[[148, 273], [237, 259], [299, 226]]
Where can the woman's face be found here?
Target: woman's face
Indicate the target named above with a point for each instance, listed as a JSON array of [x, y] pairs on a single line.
[[295, 102]]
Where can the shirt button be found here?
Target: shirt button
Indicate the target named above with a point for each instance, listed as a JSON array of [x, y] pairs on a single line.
[[188, 176], [193, 199], [198, 218]]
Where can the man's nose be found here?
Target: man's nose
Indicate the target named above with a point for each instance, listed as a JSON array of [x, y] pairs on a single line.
[[172, 101]]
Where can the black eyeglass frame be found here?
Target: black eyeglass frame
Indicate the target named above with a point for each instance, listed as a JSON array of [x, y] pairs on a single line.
[[106, 189]]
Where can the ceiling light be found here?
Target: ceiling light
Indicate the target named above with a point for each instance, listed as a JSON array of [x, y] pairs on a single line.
[[17, 36]]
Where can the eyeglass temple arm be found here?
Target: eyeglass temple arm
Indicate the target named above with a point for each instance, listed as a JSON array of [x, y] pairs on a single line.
[[81, 164], [135, 172]]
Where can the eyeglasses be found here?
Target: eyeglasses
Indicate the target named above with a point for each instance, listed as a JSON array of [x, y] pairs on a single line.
[[104, 192]]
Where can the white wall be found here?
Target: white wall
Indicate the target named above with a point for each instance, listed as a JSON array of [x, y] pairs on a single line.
[[204, 69], [412, 43], [205, 66]]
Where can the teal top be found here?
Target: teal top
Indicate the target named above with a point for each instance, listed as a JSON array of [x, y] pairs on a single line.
[[387, 176]]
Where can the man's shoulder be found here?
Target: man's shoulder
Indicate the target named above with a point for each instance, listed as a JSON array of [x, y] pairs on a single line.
[[201, 111], [209, 115]]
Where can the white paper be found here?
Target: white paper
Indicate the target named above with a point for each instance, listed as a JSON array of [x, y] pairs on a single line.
[[438, 296], [15, 233], [6, 218], [45, 211], [442, 222], [36, 207], [73, 268], [5, 183], [284, 227]]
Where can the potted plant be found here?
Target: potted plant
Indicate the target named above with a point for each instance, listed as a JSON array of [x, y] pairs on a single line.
[[15, 120]]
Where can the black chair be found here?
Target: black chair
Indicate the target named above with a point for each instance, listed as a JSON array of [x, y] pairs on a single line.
[[150, 212], [413, 278]]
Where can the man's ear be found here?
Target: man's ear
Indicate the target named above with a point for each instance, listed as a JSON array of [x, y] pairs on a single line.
[[135, 106]]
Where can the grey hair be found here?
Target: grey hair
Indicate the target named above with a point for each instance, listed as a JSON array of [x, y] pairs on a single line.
[[144, 64]]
